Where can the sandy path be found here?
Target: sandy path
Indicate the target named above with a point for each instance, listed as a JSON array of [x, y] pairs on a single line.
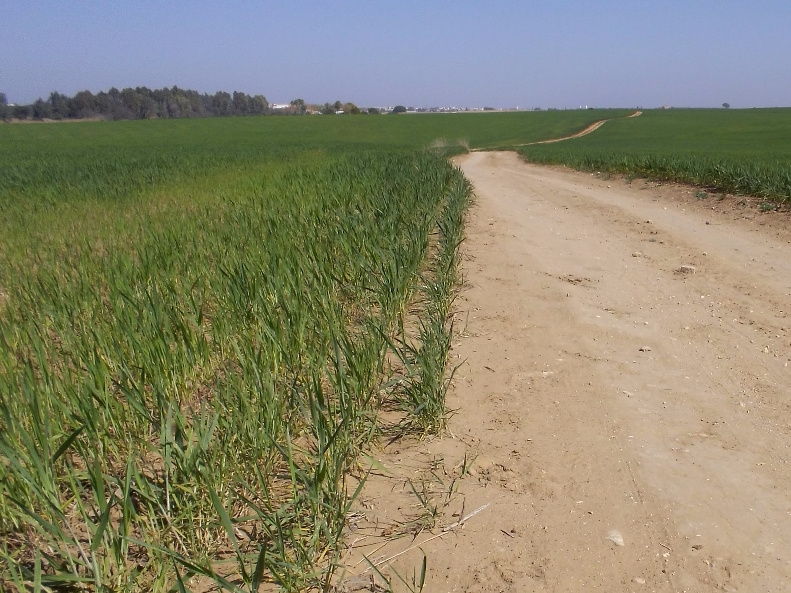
[[589, 130], [602, 390]]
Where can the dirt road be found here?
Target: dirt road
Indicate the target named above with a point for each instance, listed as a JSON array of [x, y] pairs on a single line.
[[589, 130], [629, 423]]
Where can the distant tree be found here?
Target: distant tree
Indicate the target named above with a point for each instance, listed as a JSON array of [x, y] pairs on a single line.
[[120, 110], [259, 105], [299, 106], [197, 105], [328, 109], [206, 100], [163, 102], [83, 105], [149, 108], [241, 103], [221, 103], [41, 109], [112, 105], [60, 105], [3, 107], [22, 111], [179, 105], [131, 102], [338, 106], [350, 108], [373, 111], [399, 109], [104, 104], [726, 105]]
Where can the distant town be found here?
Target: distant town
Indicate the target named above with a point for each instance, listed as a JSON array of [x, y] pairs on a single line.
[[319, 109]]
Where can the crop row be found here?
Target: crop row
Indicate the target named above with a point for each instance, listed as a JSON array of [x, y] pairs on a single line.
[[771, 180], [183, 396], [742, 151]]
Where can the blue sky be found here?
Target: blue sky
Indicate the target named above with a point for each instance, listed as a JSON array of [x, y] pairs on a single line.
[[563, 53]]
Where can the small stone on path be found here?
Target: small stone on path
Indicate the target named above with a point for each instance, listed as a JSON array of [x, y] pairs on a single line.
[[615, 537]]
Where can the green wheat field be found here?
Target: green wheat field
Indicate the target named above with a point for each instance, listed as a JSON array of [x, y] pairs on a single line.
[[200, 321], [746, 151]]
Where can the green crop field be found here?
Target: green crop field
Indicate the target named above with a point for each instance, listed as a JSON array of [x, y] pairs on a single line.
[[740, 151], [198, 323], [200, 320]]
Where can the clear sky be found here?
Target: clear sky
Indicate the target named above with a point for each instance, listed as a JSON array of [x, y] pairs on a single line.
[[561, 53]]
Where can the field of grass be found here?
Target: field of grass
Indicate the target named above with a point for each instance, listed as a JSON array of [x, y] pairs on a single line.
[[46, 169], [199, 321], [739, 151]]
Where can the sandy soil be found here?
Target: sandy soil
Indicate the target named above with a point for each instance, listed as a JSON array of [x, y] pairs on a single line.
[[627, 424]]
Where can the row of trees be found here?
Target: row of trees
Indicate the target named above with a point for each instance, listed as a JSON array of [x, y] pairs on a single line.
[[144, 103], [139, 103]]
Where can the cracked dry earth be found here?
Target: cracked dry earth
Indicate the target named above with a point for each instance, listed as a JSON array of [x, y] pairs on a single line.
[[623, 406]]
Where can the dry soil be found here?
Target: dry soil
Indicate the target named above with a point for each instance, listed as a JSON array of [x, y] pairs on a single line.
[[622, 404]]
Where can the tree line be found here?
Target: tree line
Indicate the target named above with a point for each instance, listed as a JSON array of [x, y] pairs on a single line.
[[145, 103]]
